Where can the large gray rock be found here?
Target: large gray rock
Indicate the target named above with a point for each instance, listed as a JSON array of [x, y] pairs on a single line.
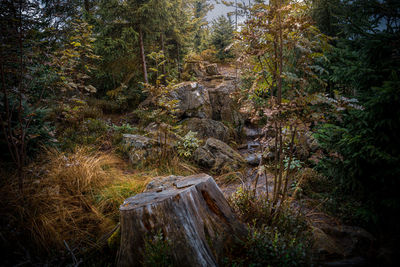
[[139, 148], [194, 68], [341, 242], [206, 128], [193, 100], [161, 134], [253, 159], [218, 156], [252, 133], [223, 106]]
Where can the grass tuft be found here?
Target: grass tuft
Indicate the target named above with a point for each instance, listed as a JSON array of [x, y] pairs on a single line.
[[68, 197]]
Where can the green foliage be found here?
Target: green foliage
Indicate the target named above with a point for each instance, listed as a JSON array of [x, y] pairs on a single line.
[[74, 62], [360, 147], [267, 246], [157, 251], [222, 37], [119, 131], [124, 128], [367, 150], [276, 239], [40, 130], [188, 144], [295, 164], [79, 124], [200, 8]]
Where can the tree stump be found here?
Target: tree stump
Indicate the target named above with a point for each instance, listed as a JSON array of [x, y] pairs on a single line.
[[191, 212]]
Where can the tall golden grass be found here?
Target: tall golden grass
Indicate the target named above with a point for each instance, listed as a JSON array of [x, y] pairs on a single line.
[[72, 198]]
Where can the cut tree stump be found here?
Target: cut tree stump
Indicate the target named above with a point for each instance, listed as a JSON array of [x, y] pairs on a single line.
[[191, 212]]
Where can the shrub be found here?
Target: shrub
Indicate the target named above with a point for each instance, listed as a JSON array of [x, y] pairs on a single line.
[[362, 153], [276, 238], [40, 131], [209, 55], [188, 144], [267, 246]]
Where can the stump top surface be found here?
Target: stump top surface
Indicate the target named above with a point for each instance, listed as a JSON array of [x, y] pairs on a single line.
[[173, 186]]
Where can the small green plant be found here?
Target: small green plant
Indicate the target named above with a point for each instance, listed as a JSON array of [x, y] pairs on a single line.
[[125, 128], [188, 144], [267, 246], [157, 251], [295, 164]]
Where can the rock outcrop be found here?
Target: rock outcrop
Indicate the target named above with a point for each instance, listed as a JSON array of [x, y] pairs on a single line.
[[194, 68], [206, 128], [218, 156], [223, 106], [193, 100], [139, 148], [334, 243]]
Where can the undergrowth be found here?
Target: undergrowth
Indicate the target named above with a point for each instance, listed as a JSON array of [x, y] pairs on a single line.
[[276, 237], [330, 198], [68, 200]]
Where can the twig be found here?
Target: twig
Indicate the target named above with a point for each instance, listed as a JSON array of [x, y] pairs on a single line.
[[76, 262]]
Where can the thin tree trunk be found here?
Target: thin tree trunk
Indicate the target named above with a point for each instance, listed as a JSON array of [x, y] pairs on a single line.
[[289, 163], [21, 146], [276, 161], [280, 169], [258, 171], [142, 56], [163, 49], [87, 6], [178, 62], [279, 94]]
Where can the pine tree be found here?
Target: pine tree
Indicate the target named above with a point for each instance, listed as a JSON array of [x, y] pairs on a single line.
[[222, 36]]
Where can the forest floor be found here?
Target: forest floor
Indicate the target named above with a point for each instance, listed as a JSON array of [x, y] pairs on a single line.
[[117, 179]]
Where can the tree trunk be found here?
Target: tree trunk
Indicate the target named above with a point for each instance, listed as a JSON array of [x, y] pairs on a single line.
[[87, 6], [190, 211], [142, 56], [164, 52], [179, 62], [164, 81]]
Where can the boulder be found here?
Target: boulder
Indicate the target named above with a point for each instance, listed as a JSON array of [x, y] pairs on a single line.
[[157, 132], [340, 242], [139, 148], [212, 69], [223, 106], [191, 212], [253, 159], [194, 68], [206, 128], [218, 156], [252, 133], [193, 100]]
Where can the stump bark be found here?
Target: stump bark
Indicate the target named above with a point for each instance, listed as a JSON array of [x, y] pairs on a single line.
[[191, 212]]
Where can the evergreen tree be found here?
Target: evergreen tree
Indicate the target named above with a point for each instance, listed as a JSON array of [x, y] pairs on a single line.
[[200, 9], [364, 64], [222, 36]]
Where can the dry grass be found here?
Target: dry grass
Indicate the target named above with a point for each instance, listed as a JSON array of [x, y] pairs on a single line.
[[72, 197], [173, 165]]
